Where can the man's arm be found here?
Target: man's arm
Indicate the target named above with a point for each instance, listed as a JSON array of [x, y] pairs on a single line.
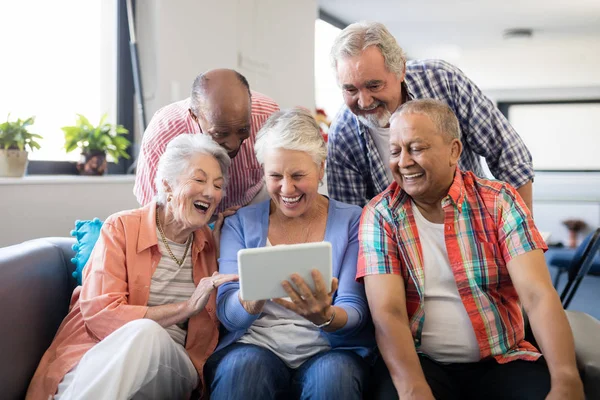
[[387, 302], [489, 134], [549, 323], [526, 193]]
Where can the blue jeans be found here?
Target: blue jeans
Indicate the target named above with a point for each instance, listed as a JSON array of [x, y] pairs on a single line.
[[246, 371]]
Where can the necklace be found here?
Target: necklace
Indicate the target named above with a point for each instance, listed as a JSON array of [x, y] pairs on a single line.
[[303, 232], [164, 239]]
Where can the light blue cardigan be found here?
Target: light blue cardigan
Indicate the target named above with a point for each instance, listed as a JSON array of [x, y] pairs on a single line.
[[248, 229]]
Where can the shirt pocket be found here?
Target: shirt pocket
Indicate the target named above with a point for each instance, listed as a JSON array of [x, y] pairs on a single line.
[[491, 272]]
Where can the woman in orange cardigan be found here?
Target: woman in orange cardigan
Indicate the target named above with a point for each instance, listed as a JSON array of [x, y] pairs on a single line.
[[144, 322]]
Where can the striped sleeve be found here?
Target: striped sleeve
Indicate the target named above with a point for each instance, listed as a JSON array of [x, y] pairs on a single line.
[[166, 124], [378, 248]]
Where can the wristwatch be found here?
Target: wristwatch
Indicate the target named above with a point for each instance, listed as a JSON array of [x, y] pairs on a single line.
[[324, 324]]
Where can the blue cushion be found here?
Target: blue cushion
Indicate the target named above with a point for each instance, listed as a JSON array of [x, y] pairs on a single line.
[[563, 257], [86, 233]]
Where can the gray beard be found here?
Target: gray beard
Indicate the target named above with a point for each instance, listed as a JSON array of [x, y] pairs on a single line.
[[375, 121]]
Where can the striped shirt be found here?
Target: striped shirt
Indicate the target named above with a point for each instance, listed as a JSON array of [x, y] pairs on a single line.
[[356, 172], [486, 224], [172, 283], [245, 173]]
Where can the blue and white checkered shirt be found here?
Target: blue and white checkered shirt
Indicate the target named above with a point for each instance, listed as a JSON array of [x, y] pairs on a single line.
[[355, 171]]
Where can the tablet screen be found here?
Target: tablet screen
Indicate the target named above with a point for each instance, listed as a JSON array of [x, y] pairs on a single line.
[[263, 269]]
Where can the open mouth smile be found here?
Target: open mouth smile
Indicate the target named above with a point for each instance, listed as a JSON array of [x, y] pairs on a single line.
[[201, 206], [412, 176], [291, 200]]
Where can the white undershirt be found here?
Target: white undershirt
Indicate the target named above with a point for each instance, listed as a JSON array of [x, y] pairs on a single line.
[[447, 335], [381, 137]]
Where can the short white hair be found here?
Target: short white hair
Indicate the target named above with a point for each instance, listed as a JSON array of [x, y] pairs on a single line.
[[293, 129], [357, 37], [177, 156]]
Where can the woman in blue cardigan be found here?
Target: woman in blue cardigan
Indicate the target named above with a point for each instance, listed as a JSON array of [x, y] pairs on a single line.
[[312, 344]]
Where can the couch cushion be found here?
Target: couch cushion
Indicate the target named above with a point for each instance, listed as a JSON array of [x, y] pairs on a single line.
[[35, 288]]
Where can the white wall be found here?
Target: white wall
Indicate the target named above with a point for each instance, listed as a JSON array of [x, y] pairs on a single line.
[[43, 206], [528, 65], [271, 42]]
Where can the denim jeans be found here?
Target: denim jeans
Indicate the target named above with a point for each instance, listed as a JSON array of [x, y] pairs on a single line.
[[246, 371]]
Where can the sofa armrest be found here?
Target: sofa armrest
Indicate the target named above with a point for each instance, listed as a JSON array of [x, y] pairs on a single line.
[[586, 331], [35, 288]]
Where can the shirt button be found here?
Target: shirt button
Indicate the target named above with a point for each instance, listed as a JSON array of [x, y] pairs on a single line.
[[448, 227]]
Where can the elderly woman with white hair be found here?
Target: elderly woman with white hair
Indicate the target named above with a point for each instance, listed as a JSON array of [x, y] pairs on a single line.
[[314, 343], [143, 322]]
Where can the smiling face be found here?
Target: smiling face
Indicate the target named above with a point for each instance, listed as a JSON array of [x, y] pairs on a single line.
[[197, 193], [370, 91], [227, 122], [422, 160], [292, 180]]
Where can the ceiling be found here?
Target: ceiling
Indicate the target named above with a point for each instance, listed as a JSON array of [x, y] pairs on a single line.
[[471, 23]]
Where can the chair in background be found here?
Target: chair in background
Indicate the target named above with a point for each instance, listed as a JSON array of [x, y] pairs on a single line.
[[563, 259], [581, 263]]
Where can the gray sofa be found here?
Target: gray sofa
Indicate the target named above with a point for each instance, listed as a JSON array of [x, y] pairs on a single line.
[[36, 285]]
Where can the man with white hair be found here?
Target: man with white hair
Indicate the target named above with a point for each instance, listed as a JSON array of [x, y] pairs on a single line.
[[376, 79], [448, 260]]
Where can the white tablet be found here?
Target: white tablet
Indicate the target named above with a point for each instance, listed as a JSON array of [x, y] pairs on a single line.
[[262, 270]]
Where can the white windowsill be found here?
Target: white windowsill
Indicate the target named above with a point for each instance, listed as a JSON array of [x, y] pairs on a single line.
[[67, 179]]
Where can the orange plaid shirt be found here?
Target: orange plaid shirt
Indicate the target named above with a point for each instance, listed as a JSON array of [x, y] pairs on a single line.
[[486, 225]]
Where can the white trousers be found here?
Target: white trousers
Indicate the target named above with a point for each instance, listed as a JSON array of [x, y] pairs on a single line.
[[138, 360]]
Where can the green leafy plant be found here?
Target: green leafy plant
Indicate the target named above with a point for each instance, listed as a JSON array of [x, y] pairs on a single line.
[[103, 137], [15, 135]]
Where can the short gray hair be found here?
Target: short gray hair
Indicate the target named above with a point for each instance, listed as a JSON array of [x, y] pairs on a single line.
[[438, 112], [176, 160], [293, 129], [357, 37]]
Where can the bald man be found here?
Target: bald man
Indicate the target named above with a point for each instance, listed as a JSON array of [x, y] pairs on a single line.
[[223, 106]]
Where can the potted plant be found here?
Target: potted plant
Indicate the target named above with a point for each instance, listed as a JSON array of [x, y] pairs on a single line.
[[15, 138], [95, 142]]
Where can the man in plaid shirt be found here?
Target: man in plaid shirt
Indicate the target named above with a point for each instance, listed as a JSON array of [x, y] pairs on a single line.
[[447, 258], [375, 79]]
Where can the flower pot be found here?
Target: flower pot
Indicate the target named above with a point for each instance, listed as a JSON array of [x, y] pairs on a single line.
[[13, 163], [92, 163]]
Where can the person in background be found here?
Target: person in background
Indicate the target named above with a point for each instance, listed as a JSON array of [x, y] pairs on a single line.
[[222, 106], [447, 258], [312, 345], [143, 323], [375, 79]]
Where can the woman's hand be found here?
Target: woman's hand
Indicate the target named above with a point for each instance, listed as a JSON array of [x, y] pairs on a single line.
[[314, 306], [199, 298], [219, 224]]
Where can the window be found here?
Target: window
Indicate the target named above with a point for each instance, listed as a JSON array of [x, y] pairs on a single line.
[[561, 136], [59, 60], [328, 96]]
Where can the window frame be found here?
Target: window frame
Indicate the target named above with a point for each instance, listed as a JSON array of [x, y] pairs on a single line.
[[505, 105], [124, 106]]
